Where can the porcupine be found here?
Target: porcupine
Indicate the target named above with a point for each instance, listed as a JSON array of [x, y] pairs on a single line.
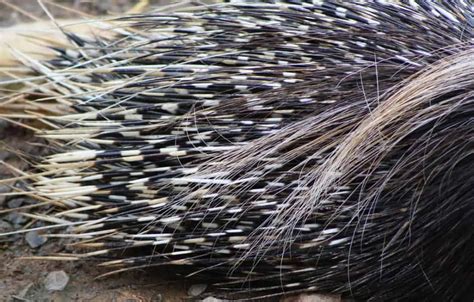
[[285, 146]]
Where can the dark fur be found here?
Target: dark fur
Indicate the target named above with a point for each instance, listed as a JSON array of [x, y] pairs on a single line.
[[313, 147]]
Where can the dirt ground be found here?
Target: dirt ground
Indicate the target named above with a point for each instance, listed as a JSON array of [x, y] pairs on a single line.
[[22, 280]]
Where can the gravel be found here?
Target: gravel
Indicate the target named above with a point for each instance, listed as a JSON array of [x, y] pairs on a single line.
[[34, 239], [56, 281], [196, 289]]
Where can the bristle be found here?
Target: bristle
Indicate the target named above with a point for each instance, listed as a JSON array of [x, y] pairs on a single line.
[[283, 146]]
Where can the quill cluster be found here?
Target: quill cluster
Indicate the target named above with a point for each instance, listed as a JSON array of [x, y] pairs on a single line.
[[280, 146]]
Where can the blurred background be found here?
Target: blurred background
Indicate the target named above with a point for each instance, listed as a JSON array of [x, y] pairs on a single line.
[[17, 11]]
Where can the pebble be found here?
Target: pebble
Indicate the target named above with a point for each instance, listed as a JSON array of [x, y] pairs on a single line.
[[16, 219], [56, 281], [3, 189], [196, 289], [212, 299], [312, 298], [4, 155], [21, 185], [34, 239], [5, 226], [3, 124], [15, 203]]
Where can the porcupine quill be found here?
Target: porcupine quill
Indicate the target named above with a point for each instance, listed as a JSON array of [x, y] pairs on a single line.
[[284, 146]]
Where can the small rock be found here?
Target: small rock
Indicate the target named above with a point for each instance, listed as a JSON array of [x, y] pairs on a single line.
[[157, 298], [56, 281], [16, 219], [3, 189], [34, 239], [197, 289], [312, 298], [5, 226], [21, 185], [3, 124], [15, 203], [4, 155], [212, 299]]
